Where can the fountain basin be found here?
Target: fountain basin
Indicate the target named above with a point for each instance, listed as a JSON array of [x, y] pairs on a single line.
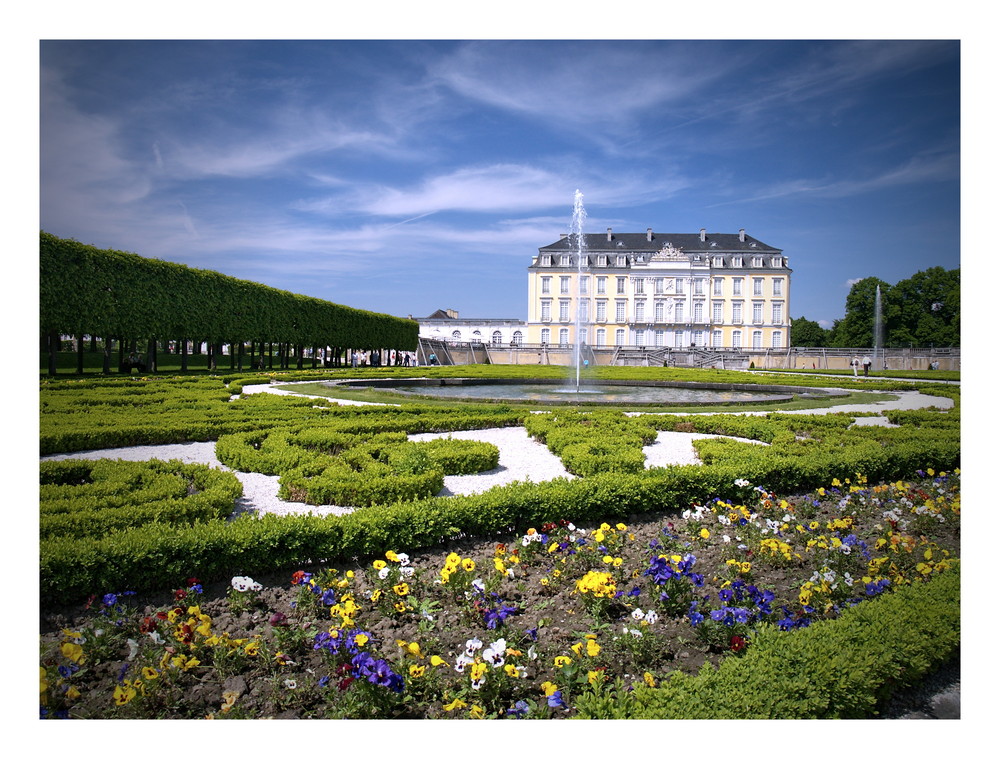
[[591, 392]]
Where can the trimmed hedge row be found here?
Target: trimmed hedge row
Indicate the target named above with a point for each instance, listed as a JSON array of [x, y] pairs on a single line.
[[84, 498], [835, 669], [157, 556]]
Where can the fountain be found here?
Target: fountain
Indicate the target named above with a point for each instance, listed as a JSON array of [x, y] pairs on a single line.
[[576, 231]]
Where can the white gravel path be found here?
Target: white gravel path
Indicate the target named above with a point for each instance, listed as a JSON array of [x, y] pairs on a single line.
[[521, 457]]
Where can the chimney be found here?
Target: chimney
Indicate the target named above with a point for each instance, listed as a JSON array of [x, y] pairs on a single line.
[[609, 234], [563, 235], [452, 313], [743, 235], [703, 234], [649, 234]]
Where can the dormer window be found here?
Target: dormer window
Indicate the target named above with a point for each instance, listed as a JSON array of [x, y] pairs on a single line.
[[602, 260], [621, 244], [622, 260], [776, 262], [564, 261], [717, 261], [737, 261], [546, 260], [758, 261]]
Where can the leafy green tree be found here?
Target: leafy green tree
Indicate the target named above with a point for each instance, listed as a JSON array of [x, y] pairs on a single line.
[[925, 309], [808, 334]]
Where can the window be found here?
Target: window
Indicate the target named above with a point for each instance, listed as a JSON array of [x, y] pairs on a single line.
[[679, 338], [546, 285], [564, 260], [775, 313], [620, 311], [564, 285], [679, 311], [639, 286], [698, 287], [640, 310], [497, 338], [776, 339], [621, 286], [758, 313], [716, 338], [699, 338], [716, 313], [640, 337], [583, 336], [619, 337], [602, 260], [776, 262], [546, 260], [564, 310], [658, 285], [546, 332], [679, 286], [477, 336], [737, 261], [456, 335], [737, 285], [622, 260], [584, 310], [717, 286], [737, 339], [602, 308], [737, 312], [758, 339], [564, 336], [602, 285], [758, 285], [601, 336], [546, 310], [758, 261], [658, 337], [717, 261], [584, 285], [518, 337], [699, 308], [658, 310], [776, 286]]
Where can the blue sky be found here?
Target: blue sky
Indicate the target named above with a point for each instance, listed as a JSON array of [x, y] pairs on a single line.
[[404, 176]]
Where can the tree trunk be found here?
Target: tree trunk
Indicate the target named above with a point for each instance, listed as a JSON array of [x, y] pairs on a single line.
[[53, 346], [151, 356], [106, 358], [79, 354], [298, 356], [239, 362], [184, 355]]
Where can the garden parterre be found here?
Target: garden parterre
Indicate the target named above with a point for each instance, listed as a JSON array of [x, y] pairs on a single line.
[[539, 624]]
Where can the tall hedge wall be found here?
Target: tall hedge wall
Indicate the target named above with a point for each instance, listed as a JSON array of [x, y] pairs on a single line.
[[85, 290]]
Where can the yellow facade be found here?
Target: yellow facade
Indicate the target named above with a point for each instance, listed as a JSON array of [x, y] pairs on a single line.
[[723, 291]]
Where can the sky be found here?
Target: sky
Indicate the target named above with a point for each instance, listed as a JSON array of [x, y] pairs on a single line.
[[405, 175]]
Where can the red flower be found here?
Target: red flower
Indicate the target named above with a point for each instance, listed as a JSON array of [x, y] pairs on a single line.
[[737, 643], [90, 601], [180, 594], [278, 619], [161, 615], [345, 683], [193, 581], [148, 624], [298, 577]]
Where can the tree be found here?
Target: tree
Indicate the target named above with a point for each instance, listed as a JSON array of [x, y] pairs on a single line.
[[857, 328], [925, 309], [808, 334]]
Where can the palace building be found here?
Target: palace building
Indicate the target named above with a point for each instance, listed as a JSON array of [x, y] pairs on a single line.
[[674, 290]]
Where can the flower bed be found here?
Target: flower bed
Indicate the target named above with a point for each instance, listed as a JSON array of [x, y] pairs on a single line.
[[555, 621]]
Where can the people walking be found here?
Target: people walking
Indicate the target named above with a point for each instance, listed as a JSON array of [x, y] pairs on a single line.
[[854, 365], [867, 364]]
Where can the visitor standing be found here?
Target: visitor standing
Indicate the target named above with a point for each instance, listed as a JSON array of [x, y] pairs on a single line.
[[854, 365], [867, 364]]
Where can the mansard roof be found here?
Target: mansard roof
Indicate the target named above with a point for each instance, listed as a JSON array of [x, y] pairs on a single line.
[[637, 242]]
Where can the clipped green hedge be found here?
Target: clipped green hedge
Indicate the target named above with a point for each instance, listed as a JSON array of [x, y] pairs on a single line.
[[92, 498], [834, 669]]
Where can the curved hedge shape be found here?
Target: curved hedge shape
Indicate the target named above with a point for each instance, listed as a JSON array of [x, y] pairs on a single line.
[[85, 290], [836, 669], [93, 498]]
